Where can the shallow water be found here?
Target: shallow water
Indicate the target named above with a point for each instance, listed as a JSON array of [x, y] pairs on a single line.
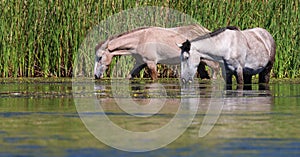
[[39, 118]]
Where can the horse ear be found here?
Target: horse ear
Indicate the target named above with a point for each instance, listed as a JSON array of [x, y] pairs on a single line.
[[106, 44], [179, 45], [186, 46], [102, 45], [188, 43]]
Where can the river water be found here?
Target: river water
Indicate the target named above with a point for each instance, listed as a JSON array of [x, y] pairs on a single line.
[[47, 118]]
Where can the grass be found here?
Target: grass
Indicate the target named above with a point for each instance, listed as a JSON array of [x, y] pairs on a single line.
[[43, 38]]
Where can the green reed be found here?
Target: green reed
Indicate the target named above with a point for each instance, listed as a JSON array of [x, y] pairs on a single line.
[[43, 38]]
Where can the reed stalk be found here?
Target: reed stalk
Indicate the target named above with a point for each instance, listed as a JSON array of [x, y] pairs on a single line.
[[42, 38]]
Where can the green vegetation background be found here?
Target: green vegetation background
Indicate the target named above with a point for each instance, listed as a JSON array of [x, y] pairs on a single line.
[[41, 38]]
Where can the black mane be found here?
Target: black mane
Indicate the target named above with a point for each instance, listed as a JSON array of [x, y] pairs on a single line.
[[215, 33], [186, 46]]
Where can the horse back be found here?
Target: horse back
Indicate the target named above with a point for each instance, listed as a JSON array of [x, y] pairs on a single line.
[[259, 39]]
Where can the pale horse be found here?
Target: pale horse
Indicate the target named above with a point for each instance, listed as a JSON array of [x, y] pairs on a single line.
[[149, 46], [240, 53]]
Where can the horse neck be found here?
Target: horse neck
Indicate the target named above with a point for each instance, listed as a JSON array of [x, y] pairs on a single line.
[[210, 48], [206, 46], [125, 42]]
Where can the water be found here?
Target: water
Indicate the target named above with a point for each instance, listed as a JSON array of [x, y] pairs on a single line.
[[39, 118]]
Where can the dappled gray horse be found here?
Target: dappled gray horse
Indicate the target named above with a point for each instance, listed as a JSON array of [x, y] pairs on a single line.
[[149, 46], [241, 53]]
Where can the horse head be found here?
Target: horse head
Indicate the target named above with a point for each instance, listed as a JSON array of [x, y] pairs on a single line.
[[102, 60], [189, 63]]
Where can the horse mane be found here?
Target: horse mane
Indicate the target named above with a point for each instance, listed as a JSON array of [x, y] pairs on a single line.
[[117, 36], [128, 32], [215, 33]]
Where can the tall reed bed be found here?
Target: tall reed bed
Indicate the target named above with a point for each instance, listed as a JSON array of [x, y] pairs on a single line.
[[42, 38]]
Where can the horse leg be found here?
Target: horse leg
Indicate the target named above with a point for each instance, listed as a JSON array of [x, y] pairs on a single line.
[[264, 77], [223, 71], [136, 69], [215, 70], [215, 66], [202, 72], [247, 82], [227, 75], [239, 77], [152, 67], [228, 80]]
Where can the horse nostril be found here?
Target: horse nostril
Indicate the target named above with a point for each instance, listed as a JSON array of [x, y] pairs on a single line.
[[183, 80], [190, 80], [96, 77]]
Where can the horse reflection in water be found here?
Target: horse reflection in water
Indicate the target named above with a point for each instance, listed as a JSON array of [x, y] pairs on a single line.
[[209, 100], [146, 107], [241, 53], [150, 46]]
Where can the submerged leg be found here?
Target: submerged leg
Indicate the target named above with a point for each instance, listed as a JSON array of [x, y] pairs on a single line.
[[202, 72], [264, 77], [239, 77], [215, 72], [215, 66], [227, 75], [136, 69], [228, 80], [223, 71], [247, 82]]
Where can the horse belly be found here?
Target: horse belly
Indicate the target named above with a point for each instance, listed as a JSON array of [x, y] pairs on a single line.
[[170, 61], [255, 63], [252, 71], [254, 67], [168, 55]]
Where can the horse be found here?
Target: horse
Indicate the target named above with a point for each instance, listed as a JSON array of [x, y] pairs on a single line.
[[241, 53], [149, 46]]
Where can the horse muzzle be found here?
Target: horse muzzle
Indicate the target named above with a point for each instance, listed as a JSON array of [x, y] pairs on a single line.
[[98, 76], [187, 80]]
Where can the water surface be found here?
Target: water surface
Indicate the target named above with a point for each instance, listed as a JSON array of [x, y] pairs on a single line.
[[39, 118]]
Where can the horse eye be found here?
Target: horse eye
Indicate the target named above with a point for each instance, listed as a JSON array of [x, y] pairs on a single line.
[[186, 56], [99, 59]]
